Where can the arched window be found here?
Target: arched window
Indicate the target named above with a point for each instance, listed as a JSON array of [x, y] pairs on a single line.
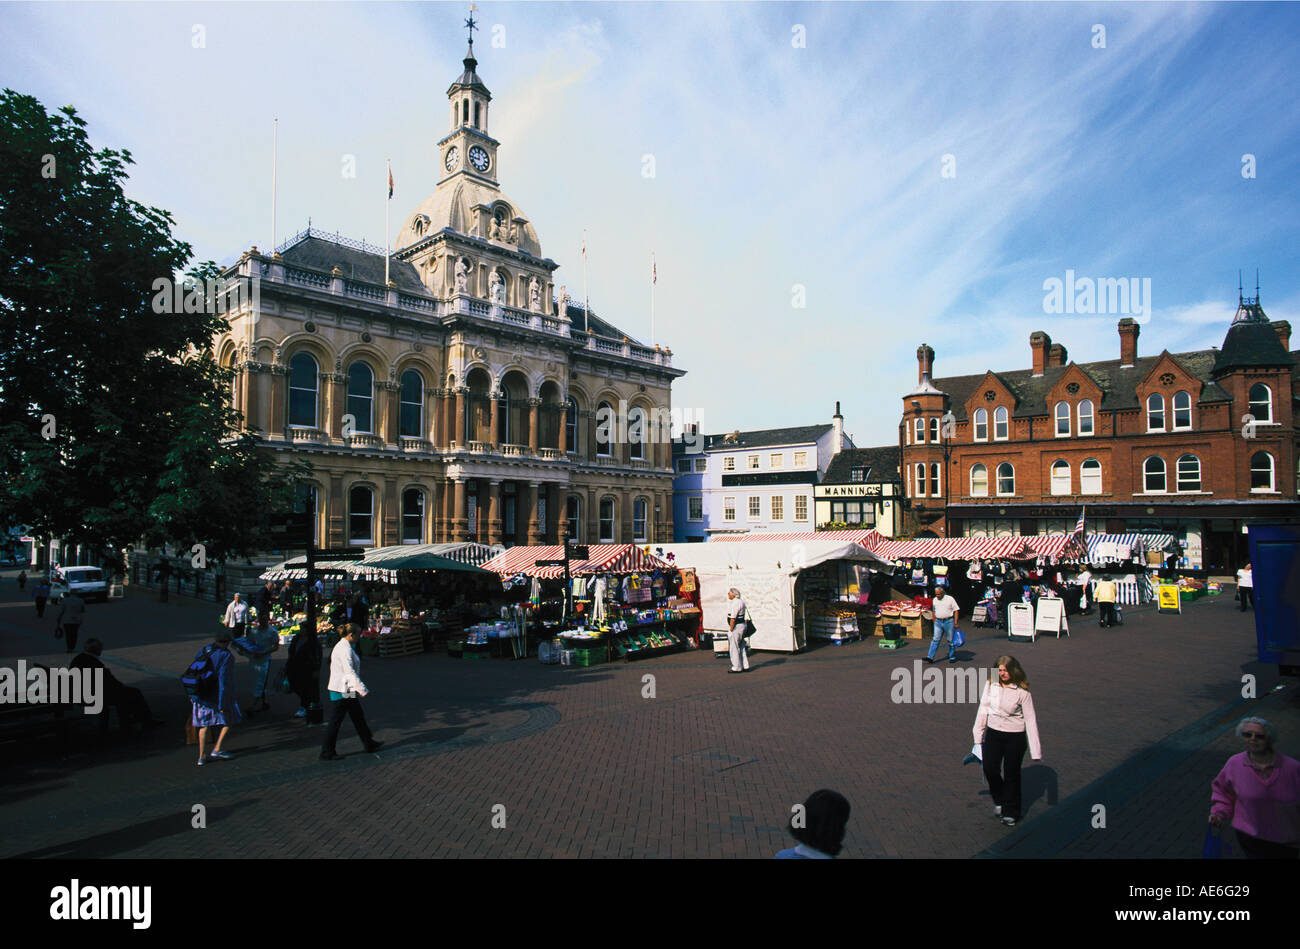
[[1182, 410], [979, 481], [303, 379], [573, 511], [412, 516], [412, 409], [1153, 475], [361, 516], [1090, 477], [1155, 412], [919, 430], [571, 430], [1000, 432], [920, 480], [361, 396], [604, 427], [1261, 471], [1062, 419], [639, 509], [1187, 473], [1085, 417], [1060, 477], [934, 479], [636, 432], [607, 520], [1006, 479], [1261, 402], [934, 429], [981, 425]]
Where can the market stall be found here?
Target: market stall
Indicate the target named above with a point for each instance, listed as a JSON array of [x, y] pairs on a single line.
[[627, 603], [788, 587]]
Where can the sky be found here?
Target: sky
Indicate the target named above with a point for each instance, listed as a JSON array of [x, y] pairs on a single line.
[[824, 187]]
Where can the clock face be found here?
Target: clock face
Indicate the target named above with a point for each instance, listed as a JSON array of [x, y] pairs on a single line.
[[453, 158], [478, 158]]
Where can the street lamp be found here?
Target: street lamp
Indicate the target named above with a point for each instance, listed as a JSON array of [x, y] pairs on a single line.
[[947, 428]]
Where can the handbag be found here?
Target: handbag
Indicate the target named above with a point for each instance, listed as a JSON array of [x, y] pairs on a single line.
[[958, 638], [749, 625], [1216, 846]]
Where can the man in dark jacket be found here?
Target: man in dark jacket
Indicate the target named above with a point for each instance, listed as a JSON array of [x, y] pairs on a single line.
[[130, 704]]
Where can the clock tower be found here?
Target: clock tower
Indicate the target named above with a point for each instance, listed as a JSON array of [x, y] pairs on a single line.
[[468, 149]]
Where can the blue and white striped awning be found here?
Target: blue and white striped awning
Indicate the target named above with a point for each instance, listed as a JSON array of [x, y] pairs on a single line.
[[1137, 543]]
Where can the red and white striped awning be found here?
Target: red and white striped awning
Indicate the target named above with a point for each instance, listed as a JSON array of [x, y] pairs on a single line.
[[956, 548], [867, 538], [603, 558], [1060, 546]]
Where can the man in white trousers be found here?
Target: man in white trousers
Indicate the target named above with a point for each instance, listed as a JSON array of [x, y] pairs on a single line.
[[737, 625]]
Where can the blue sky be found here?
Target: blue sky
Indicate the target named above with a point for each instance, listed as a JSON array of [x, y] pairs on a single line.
[[776, 165]]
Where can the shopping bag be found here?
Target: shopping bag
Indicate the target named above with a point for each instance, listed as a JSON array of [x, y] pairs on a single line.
[[1217, 846], [976, 755], [958, 638]]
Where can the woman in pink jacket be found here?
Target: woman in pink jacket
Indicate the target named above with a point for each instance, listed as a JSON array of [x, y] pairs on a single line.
[[1004, 725], [1258, 793]]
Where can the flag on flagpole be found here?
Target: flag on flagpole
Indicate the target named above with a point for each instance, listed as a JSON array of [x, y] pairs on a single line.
[[654, 270], [390, 182], [1078, 527]]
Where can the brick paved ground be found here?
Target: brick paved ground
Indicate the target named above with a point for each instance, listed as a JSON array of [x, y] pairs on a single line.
[[578, 763]]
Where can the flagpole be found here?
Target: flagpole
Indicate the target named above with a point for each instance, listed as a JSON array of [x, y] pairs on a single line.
[[388, 163], [586, 300], [654, 279], [275, 147]]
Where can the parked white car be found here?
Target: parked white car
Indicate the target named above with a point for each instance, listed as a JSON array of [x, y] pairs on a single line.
[[89, 582]]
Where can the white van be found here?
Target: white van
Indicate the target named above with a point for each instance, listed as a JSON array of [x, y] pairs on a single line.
[[89, 582]]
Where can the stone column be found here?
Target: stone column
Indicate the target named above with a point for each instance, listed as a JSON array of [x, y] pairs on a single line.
[[335, 514], [593, 516], [389, 525], [445, 501], [432, 498], [534, 407], [458, 436], [279, 381], [494, 512], [625, 519], [557, 513], [494, 425], [335, 402], [591, 435], [534, 530], [460, 521]]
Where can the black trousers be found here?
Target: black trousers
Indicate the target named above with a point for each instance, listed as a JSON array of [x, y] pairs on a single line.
[[1244, 594], [1257, 848], [1003, 752], [352, 709], [70, 634], [1107, 613], [40, 605]]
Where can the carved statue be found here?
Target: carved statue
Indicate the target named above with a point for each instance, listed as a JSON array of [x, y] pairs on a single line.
[[462, 274], [496, 229], [497, 289], [535, 295], [563, 305], [514, 233]]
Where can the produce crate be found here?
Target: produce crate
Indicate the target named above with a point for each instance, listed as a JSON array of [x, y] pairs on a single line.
[[590, 657], [402, 641], [455, 648]]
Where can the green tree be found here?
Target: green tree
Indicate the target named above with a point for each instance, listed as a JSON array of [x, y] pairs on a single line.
[[115, 422]]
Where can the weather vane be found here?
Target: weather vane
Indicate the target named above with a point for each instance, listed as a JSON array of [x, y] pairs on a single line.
[[470, 25]]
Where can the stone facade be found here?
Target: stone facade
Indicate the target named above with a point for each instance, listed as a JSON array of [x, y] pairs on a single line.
[[448, 393]]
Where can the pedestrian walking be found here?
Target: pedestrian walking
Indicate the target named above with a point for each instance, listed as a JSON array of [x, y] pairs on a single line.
[[72, 612], [236, 616], [266, 641], [303, 671], [286, 598], [1105, 596], [164, 575], [1085, 584], [22, 580], [218, 709], [1004, 725], [819, 828], [737, 627], [1258, 793], [1245, 587], [945, 620], [346, 691], [41, 595]]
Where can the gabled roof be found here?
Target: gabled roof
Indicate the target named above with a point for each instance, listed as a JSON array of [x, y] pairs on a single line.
[[318, 253], [882, 462], [1118, 386], [771, 437]]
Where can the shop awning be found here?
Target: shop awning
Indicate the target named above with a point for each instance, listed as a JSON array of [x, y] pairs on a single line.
[[603, 558], [1102, 546], [295, 568], [958, 548], [415, 556], [868, 538], [1060, 546]]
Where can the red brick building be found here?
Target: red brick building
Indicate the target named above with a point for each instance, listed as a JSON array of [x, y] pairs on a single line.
[[1147, 443]]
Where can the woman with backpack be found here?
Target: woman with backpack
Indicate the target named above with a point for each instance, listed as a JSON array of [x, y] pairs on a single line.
[[213, 696]]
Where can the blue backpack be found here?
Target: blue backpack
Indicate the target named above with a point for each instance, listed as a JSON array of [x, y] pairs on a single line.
[[200, 679]]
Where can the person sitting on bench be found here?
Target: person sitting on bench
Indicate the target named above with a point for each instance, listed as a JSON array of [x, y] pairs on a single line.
[[130, 704]]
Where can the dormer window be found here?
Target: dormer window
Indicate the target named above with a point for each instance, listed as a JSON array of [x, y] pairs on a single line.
[[1000, 427], [1155, 412]]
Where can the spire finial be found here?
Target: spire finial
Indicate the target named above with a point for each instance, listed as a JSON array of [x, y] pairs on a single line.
[[471, 26], [1241, 290], [1256, 286]]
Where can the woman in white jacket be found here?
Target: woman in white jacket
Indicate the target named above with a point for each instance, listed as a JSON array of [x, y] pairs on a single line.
[[1004, 725], [346, 690]]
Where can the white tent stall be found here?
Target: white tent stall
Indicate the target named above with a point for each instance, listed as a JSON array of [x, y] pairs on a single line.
[[767, 574]]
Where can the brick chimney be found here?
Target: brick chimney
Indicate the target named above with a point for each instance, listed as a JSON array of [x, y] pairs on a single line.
[[924, 362], [1039, 343], [1128, 342], [1283, 330], [837, 420], [1056, 355]]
